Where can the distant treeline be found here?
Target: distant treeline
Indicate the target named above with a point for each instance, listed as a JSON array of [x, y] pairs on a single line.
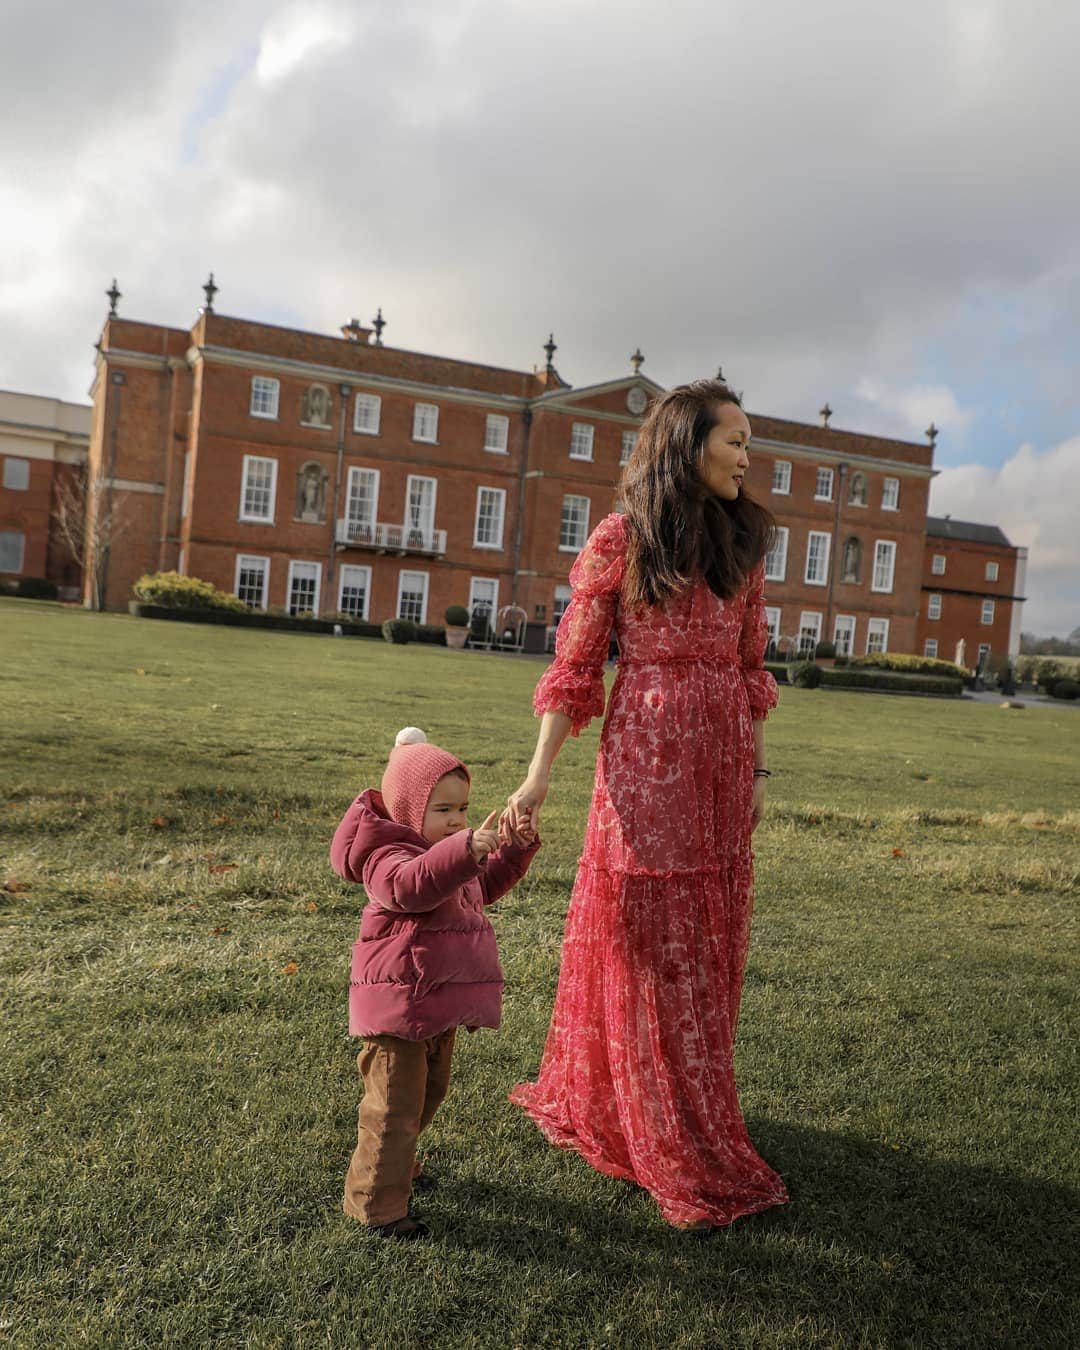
[[1031, 645]]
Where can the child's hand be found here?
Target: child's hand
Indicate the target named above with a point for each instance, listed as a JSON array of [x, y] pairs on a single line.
[[484, 840], [507, 833]]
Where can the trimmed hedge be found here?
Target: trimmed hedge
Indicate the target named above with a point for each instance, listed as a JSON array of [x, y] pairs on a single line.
[[778, 670], [36, 588], [903, 664], [805, 674], [170, 590], [890, 681], [254, 618], [399, 631], [1066, 688]]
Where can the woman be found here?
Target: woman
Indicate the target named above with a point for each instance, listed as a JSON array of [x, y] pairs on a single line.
[[637, 1074]]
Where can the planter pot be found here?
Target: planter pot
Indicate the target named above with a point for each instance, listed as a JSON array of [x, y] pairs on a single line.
[[825, 661], [455, 637]]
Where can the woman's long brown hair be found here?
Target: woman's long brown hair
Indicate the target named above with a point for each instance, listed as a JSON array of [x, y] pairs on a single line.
[[678, 529]]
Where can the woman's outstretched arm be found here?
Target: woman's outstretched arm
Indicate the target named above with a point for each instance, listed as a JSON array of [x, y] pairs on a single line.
[[524, 804]]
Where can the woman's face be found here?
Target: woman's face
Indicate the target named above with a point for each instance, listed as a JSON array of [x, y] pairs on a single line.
[[725, 461]]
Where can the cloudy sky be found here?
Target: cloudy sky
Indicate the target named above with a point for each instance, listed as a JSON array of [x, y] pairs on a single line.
[[864, 201]]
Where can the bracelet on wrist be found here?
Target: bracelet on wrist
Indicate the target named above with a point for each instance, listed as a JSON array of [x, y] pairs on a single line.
[[762, 773]]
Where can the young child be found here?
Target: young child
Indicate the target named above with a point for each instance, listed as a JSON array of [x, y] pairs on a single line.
[[426, 961]]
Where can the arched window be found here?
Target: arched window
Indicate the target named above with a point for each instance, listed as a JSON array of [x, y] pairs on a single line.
[[852, 561]]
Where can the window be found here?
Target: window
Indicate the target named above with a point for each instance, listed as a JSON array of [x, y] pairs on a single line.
[[484, 598], [425, 424], [809, 632], [938, 565], [984, 652], [884, 565], [991, 571], [581, 439], [574, 526], [12, 550], [490, 506], [781, 477], [264, 396], [823, 487], [629, 440], [776, 558], [987, 612], [412, 596], [16, 474], [362, 504], [419, 511], [772, 619], [354, 591], [496, 433], [857, 492], [890, 494], [817, 557], [877, 636], [844, 634], [933, 606], [252, 576], [185, 495], [305, 579], [930, 647], [367, 414], [563, 595], [259, 489]]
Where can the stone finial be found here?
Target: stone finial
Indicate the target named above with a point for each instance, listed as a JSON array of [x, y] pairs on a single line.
[[720, 375], [825, 413], [551, 348], [113, 295], [931, 434], [637, 361], [378, 323], [210, 290]]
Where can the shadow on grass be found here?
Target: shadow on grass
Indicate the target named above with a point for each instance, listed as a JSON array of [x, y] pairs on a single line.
[[874, 1242]]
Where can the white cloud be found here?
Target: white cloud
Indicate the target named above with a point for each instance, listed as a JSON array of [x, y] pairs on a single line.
[[916, 406], [299, 30], [1034, 497]]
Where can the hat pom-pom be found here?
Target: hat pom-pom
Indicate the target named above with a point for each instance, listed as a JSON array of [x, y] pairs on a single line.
[[409, 736]]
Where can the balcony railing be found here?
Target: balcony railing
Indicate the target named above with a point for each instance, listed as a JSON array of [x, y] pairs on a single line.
[[385, 537]]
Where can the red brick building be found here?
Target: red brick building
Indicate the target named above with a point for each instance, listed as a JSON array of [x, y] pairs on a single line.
[[972, 592]]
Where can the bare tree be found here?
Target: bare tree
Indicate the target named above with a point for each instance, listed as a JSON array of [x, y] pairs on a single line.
[[88, 519]]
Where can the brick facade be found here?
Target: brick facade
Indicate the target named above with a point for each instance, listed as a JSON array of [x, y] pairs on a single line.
[[972, 591]]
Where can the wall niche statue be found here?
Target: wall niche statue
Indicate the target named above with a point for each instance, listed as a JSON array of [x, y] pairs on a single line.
[[852, 564], [315, 408], [311, 484], [858, 494]]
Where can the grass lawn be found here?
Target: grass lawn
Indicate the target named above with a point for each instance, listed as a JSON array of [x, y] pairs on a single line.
[[179, 1091]]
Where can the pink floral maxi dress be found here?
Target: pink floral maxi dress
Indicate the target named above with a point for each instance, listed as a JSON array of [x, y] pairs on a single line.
[[637, 1074]]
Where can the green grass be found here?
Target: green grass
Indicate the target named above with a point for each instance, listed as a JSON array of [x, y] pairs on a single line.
[[178, 1111]]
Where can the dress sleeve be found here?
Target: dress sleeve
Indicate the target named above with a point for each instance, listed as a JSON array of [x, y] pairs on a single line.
[[761, 689], [574, 682]]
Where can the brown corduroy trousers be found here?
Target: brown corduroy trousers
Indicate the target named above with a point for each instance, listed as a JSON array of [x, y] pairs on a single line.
[[404, 1084]]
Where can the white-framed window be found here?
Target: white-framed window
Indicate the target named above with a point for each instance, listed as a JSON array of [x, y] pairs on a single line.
[[991, 571], [581, 441], [12, 550], [817, 557], [252, 580], [16, 473], [772, 619], [258, 492], [933, 605], [354, 591], [937, 565], [367, 414], [877, 636], [425, 422], [497, 434], [629, 440], [776, 558], [185, 493], [930, 647], [987, 612], [490, 509], [844, 634], [809, 631], [823, 485], [884, 565], [420, 507], [574, 525], [890, 494], [264, 396], [362, 502], [412, 596], [484, 595], [781, 477], [305, 582], [563, 596]]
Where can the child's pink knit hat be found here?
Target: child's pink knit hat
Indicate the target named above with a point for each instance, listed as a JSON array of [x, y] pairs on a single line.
[[414, 769]]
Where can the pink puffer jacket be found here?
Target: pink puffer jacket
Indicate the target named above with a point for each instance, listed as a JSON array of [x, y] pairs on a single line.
[[426, 959]]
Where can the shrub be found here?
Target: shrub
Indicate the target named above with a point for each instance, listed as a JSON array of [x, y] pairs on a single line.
[[843, 660], [399, 631], [431, 633], [1047, 674], [172, 591], [805, 675], [1066, 688], [890, 681], [910, 665], [826, 650], [36, 588], [778, 670], [457, 616]]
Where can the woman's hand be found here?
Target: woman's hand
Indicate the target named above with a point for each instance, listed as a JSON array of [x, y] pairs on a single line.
[[759, 803], [523, 806]]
